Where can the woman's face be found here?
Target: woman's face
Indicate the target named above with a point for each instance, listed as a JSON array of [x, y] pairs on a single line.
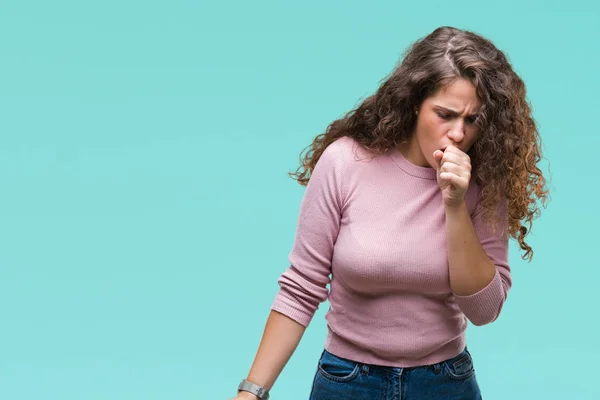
[[445, 118]]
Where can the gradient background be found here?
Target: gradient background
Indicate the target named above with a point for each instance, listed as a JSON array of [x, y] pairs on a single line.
[[145, 207]]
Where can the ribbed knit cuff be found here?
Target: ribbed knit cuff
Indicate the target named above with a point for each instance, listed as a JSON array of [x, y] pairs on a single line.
[[281, 305], [484, 306]]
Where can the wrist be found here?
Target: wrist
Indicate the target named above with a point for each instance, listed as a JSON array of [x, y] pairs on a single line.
[[257, 391], [455, 207], [246, 396]]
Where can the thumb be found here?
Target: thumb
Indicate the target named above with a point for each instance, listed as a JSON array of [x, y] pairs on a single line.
[[437, 159]]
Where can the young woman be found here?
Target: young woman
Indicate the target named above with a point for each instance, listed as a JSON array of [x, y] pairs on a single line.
[[411, 201]]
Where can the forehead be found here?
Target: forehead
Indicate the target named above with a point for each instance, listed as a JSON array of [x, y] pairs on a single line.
[[458, 94]]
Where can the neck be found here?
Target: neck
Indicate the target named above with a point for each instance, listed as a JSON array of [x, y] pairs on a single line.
[[412, 153]]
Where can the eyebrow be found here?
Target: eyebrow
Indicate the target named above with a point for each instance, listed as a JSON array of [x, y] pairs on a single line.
[[454, 111]]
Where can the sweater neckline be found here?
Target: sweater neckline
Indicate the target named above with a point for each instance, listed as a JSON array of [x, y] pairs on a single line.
[[410, 168]]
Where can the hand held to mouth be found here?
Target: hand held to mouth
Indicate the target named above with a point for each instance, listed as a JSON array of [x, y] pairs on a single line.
[[453, 174]]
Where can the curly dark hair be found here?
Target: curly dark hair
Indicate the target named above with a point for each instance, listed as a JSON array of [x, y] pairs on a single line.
[[506, 152]]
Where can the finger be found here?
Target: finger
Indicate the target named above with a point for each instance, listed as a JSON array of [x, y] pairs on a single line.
[[456, 159], [453, 157], [456, 180], [457, 151], [449, 166], [456, 170]]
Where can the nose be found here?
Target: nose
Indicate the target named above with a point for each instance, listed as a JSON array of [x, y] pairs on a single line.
[[457, 133]]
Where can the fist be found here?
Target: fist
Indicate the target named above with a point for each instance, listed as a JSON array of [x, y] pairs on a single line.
[[453, 174]]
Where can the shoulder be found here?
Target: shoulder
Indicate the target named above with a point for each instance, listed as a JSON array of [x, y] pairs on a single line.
[[346, 150], [340, 146], [339, 166]]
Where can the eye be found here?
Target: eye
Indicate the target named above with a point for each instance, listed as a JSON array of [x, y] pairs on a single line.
[[471, 120], [443, 116]]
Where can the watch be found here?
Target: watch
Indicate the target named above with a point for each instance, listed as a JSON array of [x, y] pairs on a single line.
[[253, 388]]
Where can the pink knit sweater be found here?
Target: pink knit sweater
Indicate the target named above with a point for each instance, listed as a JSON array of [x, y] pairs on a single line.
[[373, 228]]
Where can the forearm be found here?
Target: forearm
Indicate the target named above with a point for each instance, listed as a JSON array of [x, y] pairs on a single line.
[[470, 268], [279, 341]]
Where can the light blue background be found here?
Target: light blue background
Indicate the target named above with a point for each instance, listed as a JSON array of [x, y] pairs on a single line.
[[145, 207]]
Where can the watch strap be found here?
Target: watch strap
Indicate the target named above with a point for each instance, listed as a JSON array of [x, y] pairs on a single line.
[[253, 388]]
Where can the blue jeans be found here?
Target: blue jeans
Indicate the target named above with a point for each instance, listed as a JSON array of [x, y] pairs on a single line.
[[342, 379]]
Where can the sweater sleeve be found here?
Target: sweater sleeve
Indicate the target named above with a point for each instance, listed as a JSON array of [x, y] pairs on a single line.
[[303, 284], [484, 307]]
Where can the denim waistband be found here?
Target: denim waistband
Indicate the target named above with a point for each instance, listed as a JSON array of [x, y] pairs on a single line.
[[365, 367]]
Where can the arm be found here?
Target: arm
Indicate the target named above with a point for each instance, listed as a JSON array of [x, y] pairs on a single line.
[[478, 263], [279, 341], [477, 256], [303, 286], [470, 267]]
